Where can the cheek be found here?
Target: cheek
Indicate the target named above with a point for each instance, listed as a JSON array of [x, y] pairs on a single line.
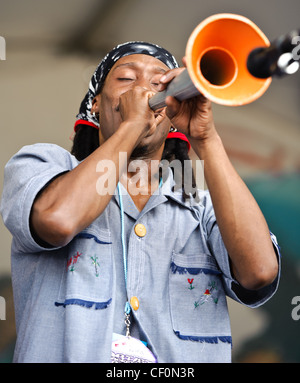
[[109, 117], [105, 102], [110, 96]]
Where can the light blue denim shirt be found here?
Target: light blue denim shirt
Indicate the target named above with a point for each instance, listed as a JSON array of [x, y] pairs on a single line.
[[69, 301]]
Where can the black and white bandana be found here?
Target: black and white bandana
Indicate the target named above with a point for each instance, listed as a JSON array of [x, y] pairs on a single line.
[[134, 47]]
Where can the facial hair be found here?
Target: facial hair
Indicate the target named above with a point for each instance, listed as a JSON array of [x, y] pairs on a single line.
[[140, 152]]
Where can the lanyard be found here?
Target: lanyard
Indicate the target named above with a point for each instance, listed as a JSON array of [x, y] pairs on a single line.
[[127, 308]]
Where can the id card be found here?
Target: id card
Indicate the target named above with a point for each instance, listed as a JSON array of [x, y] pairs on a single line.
[[130, 350]]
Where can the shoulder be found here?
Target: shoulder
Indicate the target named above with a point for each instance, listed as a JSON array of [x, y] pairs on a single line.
[[203, 208], [43, 152], [202, 202]]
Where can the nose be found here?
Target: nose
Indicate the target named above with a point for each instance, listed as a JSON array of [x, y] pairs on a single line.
[[143, 83], [146, 83]]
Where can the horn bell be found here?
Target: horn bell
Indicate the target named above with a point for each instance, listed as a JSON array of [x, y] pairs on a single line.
[[216, 57]]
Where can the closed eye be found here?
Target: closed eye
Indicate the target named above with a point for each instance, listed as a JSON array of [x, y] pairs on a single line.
[[155, 80], [125, 79]]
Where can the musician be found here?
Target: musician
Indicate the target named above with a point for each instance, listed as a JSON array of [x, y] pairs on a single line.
[[108, 231]]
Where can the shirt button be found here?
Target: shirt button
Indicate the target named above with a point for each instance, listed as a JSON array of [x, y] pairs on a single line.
[[135, 304], [140, 230]]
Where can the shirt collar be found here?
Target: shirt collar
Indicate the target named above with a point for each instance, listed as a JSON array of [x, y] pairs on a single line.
[[161, 195]]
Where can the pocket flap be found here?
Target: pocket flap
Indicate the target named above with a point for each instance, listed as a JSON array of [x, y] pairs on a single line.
[[194, 264]]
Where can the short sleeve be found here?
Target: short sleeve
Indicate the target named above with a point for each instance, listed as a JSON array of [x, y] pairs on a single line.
[[25, 174], [250, 298]]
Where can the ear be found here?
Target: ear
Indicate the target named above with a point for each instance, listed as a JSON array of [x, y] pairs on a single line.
[[95, 104]]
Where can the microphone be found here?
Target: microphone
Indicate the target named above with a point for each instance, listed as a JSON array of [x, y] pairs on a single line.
[[278, 59]]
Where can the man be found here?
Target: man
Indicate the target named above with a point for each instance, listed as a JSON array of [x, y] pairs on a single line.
[[87, 248]]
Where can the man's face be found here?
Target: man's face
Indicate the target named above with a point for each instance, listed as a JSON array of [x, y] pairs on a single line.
[[128, 72]]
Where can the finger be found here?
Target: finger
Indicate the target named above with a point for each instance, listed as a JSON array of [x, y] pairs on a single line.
[[169, 75], [173, 106], [203, 102]]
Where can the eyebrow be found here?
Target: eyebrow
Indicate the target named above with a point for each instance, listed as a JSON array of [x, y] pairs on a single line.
[[133, 65]]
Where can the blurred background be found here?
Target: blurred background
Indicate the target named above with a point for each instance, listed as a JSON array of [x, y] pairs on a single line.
[[52, 49]]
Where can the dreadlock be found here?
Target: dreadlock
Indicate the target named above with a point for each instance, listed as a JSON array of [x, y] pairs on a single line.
[[86, 140]]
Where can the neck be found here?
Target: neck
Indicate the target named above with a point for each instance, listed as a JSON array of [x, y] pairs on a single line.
[[142, 178]]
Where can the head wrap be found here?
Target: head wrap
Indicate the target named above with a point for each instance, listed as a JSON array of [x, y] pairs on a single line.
[[85, 117]]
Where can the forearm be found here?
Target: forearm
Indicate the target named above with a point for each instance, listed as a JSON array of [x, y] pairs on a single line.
[[241, 222], [75, 199]]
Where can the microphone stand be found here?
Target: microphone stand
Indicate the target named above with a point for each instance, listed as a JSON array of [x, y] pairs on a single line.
[[279, 59]]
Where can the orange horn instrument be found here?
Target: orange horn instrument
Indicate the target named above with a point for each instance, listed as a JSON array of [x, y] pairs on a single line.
[[216, 56]]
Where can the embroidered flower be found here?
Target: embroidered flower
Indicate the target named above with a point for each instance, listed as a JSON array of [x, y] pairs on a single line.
[[190, 281], [96, 264], [72, 261], [208, 295]]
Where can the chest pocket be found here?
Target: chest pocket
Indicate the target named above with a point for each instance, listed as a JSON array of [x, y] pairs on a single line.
[[88, 274], [197, 300]]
